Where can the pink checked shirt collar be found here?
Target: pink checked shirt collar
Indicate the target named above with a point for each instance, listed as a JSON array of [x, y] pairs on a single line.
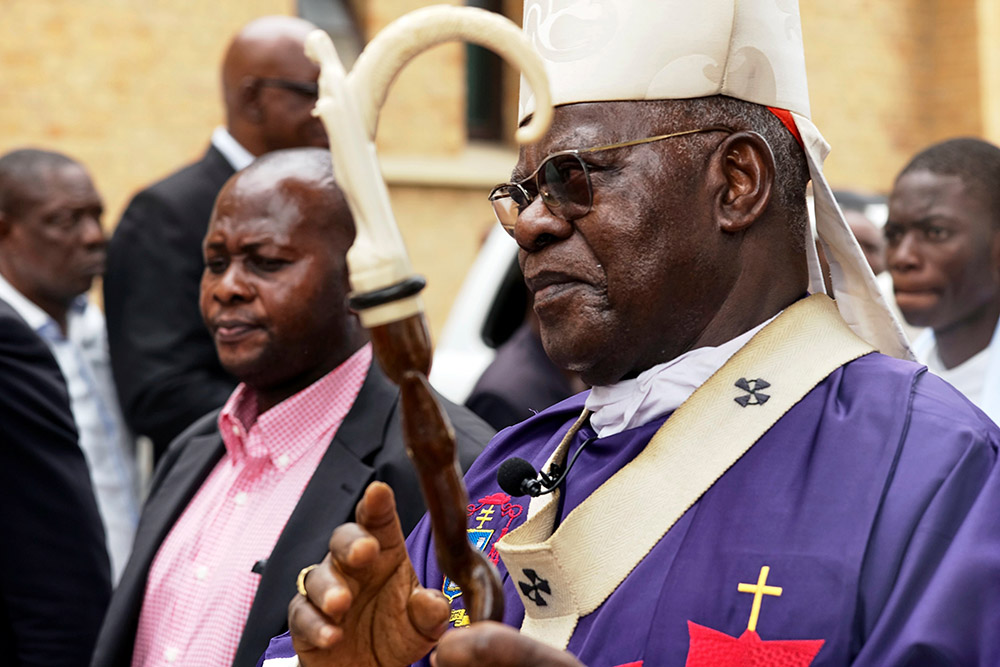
[[281, 434]]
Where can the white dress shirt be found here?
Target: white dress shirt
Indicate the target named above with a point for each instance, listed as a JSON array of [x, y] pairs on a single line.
[[237, 156], [107, 445], [969, 377]]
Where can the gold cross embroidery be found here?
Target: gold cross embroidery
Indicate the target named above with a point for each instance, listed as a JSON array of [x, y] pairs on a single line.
[[484, 516], [759, 590]]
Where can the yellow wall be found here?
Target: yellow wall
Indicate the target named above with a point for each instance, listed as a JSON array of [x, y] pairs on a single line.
[[887, 78], [988, 12], [128, 87]]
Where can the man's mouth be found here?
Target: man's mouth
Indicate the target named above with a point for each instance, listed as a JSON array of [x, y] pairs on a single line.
[[95, 268], [915, 298], [914, 289], [228, 331], [547, 286]]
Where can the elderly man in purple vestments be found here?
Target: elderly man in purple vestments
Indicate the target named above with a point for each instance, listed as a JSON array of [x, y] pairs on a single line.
[[749, 481]]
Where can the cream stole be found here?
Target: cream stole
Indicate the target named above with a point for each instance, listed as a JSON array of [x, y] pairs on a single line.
[[704, 437]]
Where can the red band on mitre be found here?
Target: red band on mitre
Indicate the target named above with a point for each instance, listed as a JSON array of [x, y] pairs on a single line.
[[785, 116]]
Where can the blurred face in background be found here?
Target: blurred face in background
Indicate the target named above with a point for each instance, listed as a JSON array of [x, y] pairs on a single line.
[[869, 237], [940, 250], [51, 240]]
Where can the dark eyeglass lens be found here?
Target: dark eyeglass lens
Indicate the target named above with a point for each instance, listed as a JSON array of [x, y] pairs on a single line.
[[564, 186], [518, 195], [505, 207]]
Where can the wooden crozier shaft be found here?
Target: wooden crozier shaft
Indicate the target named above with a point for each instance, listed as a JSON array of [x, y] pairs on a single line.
[[403, 349]]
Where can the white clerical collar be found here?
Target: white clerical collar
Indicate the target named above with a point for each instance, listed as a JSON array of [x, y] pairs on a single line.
[[659, 390], [237, 156]]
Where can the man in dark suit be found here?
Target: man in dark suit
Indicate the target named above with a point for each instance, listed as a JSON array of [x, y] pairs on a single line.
[[248, 495], [163, 360], [48, 516]]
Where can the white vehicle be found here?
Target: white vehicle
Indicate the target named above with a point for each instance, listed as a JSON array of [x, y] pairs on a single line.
[[489, 307]]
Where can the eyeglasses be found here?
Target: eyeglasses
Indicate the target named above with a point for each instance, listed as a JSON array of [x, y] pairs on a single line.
[[563, 181], [303, 88]]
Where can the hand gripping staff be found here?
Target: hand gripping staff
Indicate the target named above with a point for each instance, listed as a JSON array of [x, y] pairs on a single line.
[[385, 291]]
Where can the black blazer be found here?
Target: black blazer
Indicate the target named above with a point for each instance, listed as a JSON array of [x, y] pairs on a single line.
[[368, 446], [55, 579], [520, 382], [163, 359]]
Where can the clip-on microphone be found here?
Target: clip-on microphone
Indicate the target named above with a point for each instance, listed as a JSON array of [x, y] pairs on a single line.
[[517, 477]]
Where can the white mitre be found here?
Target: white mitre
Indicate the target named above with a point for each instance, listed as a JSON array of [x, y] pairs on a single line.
[[604, 50]]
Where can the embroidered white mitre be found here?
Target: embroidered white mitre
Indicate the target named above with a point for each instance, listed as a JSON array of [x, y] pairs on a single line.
[[605, 50]]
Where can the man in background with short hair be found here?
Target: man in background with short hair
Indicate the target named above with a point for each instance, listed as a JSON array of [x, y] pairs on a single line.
[[51, 249], [164, 362], [856, 208], [943, 237]]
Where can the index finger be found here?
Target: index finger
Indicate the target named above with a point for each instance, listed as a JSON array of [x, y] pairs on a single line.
[[376, 529], [376, 513]]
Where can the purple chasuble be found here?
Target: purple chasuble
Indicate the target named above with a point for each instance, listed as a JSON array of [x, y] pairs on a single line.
[[852, 501]]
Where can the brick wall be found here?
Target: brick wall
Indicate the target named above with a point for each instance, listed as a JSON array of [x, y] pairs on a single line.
[[888, 78], [130, 88]]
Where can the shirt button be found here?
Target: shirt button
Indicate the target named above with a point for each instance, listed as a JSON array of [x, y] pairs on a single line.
[[171, 654], [235, 429], [283, 461], [201, 572], [241, 498]]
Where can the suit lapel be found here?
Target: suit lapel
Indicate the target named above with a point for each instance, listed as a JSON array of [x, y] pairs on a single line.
[[328, 501], [216, 166]]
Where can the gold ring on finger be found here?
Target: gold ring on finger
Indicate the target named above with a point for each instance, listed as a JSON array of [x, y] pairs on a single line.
[[300, 582]]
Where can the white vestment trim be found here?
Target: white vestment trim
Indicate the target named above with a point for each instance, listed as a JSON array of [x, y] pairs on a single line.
[[705, 436]]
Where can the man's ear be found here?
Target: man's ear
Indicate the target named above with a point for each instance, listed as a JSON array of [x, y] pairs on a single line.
[[743, 179], [250, 107]]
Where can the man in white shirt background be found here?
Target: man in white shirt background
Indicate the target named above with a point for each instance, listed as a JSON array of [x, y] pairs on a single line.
[[943, 250], [52, 247]]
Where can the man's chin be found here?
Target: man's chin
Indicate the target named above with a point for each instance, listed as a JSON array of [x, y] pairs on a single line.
[[919, 317], [591, 364], [81, 286], [243, 367]]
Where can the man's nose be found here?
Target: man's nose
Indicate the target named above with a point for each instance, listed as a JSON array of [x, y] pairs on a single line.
[[92, 234], [232, 285], [537, 227], [904, 256]]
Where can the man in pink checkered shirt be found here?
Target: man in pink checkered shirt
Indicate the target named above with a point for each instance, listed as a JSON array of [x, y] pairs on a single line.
[[249, 495]]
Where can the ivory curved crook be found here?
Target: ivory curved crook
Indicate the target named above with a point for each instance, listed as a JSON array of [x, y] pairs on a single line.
[[385, 291], [402, 40], [349, 105]]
